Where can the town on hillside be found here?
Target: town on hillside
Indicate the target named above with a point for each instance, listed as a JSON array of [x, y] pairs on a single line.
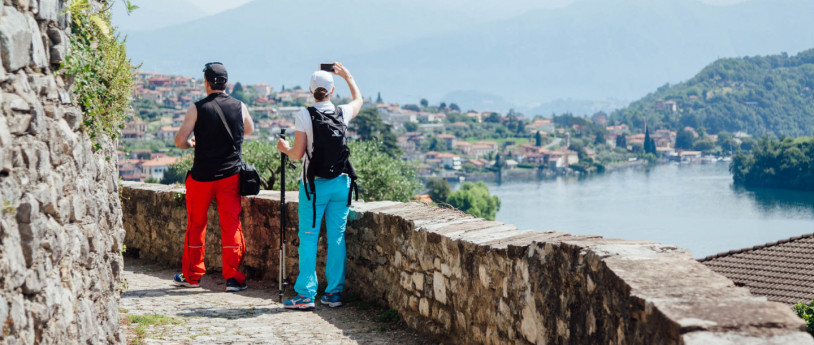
[[445, 141]]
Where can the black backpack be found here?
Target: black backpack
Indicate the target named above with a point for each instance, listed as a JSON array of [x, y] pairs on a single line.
[[331, 155]]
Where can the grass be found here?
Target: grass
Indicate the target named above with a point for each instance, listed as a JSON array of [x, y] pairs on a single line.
[[8, 207], [388, 316], [153, 320], [143, 322]]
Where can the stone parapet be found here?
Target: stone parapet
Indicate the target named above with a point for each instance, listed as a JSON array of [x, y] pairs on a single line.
[[465, 280]]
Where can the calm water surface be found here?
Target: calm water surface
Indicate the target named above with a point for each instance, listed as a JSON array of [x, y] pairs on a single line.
[[692, 206]]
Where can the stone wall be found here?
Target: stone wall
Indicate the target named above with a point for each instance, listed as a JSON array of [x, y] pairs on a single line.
[[469, 281], [60, 223]]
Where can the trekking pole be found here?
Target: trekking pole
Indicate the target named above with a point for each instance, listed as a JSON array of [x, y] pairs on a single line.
[[281, 278]]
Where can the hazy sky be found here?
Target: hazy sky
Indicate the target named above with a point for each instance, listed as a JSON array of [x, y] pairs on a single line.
[[154, 14], [216, 6]]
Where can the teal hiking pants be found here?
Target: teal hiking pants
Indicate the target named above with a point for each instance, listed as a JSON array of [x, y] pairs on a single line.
[[332, 202]]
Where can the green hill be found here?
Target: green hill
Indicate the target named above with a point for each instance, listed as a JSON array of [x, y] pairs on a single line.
[[758, 95]]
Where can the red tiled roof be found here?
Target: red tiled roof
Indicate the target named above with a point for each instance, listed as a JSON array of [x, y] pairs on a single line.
[[782, 271]]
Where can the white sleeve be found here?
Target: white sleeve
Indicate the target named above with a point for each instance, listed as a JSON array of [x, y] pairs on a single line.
[[300, 123], [347, 113]]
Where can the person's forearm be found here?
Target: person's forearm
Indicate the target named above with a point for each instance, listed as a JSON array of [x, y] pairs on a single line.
[[291, 153], [354, 90]]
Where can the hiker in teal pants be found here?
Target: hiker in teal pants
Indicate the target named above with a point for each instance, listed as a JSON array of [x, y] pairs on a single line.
[[325, 188], [332, 201]]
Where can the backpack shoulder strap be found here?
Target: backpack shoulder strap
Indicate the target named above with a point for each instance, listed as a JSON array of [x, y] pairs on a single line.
[[225, 125], [313, 112]]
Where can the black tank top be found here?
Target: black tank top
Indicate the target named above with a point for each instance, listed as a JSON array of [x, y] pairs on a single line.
[[215, 156]]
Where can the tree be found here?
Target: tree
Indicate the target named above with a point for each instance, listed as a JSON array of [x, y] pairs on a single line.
[[379, 98], [474, 199], [432, 144], [424, 103], [684, 140], [704, 144], [381, 176], [806, 312], [442, 105], [238, 93], [369, 126], [649, 143], [785, 163], [177, 172], [411, 107], [389, 144], [621, 141], [538, 139], [410, 126], [438, 189], [453, 106], [493, 118]]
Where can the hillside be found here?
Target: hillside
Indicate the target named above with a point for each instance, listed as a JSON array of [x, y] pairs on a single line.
[[587, 50], [758, 95]]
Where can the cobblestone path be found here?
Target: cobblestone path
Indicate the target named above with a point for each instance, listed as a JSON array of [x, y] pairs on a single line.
[[155, 312]]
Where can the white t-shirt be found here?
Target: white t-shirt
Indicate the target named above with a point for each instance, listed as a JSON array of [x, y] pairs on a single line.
[[302, 123]]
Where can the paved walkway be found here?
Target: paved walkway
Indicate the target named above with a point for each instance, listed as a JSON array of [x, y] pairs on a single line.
[[155, 312]]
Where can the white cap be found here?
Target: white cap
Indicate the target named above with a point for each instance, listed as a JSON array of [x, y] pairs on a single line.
[[322, 79]]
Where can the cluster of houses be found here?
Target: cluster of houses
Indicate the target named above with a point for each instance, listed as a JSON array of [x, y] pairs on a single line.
[[175, 94], [142, 165], [182, 92]]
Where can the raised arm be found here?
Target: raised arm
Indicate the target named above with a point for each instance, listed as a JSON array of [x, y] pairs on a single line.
[[356, 103], [248, 124], [182, 140]]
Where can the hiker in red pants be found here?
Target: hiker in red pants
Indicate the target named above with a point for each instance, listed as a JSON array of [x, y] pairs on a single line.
[[214, 174]]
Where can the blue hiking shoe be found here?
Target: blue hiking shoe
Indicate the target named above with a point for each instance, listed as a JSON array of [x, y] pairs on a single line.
[[233, 286], [333, 300], [179, 280], [299, 303]]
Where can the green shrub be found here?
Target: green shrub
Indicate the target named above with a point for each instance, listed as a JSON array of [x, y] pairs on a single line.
[[263, 155], [474, 199], [381, 177], [806, 312], [101, 71]]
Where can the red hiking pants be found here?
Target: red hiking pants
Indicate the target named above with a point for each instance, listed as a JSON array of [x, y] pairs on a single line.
[[199, 198]]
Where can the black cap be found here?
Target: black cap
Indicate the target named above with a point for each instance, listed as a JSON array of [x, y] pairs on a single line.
[[215, 73]]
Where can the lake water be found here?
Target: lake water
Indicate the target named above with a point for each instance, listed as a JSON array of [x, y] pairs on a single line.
[[693, 206]]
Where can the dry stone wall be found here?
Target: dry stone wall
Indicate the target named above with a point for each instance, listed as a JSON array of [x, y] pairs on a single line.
[[60, 223], [464, 280]]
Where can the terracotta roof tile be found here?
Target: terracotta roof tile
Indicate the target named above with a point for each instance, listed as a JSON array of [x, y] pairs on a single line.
[[782, 271]]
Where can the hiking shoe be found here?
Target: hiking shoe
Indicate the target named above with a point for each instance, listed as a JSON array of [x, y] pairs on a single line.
[[299, 303], [179, 280], [232, 285], [333, 300]]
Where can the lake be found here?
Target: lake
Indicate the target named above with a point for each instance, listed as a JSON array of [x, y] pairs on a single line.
[[693, 206]]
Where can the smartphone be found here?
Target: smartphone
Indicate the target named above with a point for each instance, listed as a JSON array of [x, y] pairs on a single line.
[[328, 67]]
